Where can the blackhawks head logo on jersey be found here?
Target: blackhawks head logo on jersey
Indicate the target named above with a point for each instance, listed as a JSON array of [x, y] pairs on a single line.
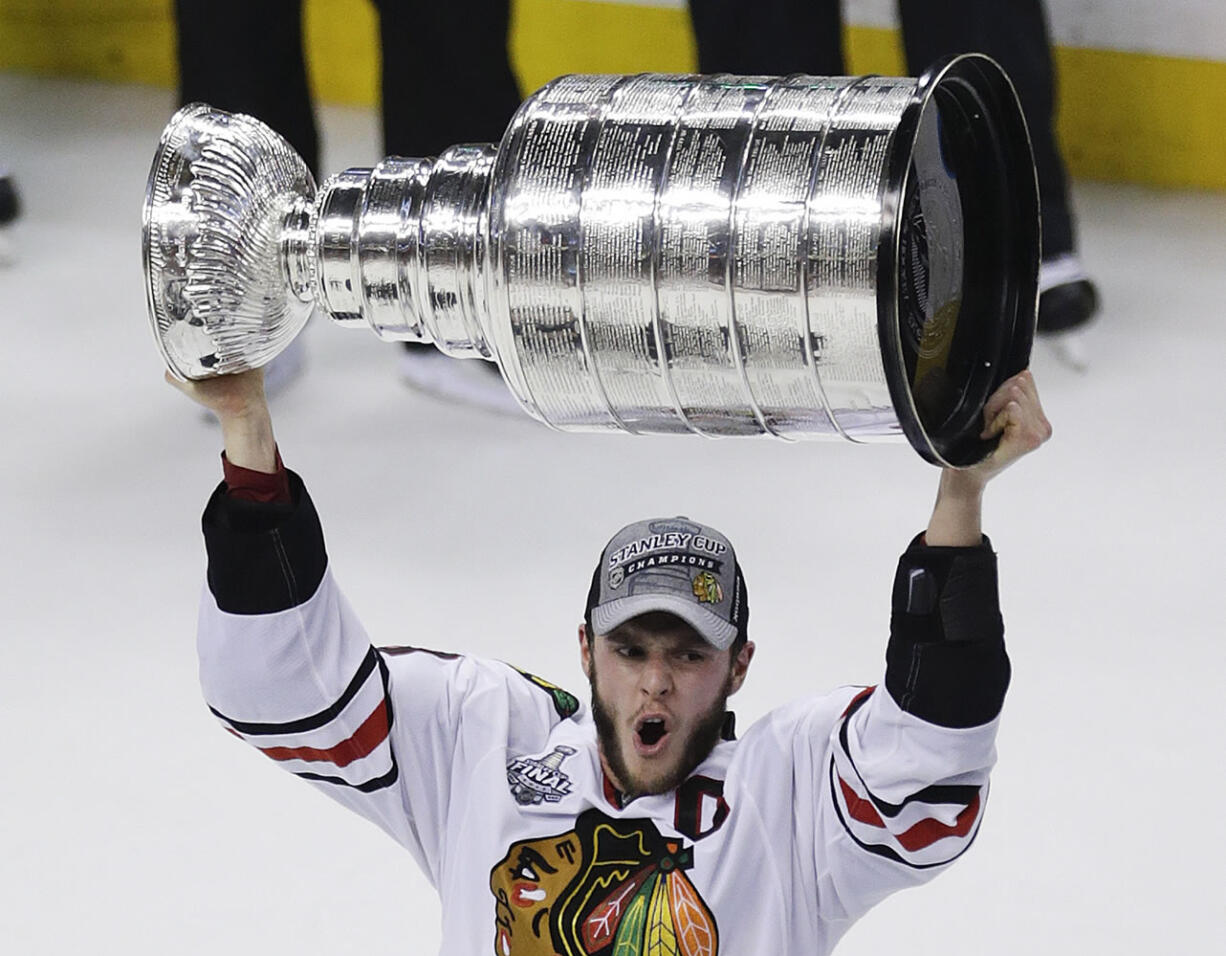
[[607, 888]]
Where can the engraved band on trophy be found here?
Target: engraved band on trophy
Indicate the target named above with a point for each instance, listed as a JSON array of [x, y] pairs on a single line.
[[803, 257]]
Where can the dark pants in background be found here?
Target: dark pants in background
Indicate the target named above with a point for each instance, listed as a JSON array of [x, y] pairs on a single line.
[[446, 76], [775, 37], [445, 73]]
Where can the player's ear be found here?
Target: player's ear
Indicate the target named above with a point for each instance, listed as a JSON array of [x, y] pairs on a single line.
[[740, 666], [585, 651]]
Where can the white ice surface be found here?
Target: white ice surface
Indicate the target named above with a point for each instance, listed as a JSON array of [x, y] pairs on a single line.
[[129, 822]]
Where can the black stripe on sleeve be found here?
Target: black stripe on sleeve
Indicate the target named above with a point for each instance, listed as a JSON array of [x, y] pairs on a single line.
[[263, 558], [880, 849], [369, 786], [376, 783], [959, 794], [318, 720]]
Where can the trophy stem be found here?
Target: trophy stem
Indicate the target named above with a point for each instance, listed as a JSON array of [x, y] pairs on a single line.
[[296, 257], [401, 248]]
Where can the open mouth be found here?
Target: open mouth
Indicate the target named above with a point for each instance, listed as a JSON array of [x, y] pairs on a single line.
[[649, 735]]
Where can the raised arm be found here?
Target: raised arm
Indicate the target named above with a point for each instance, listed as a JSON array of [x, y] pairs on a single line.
[[286, 666], [946, 661], [911, 759]]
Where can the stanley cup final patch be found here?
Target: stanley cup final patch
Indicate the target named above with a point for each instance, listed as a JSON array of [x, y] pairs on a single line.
[[535, 780]]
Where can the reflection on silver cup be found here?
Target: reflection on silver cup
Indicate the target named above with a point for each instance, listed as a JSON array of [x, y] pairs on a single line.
[[804, 257]]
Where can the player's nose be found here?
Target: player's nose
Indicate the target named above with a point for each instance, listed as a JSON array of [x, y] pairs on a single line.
[[656, 678]]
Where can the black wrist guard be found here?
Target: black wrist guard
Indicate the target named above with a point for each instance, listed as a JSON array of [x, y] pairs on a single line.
[[263, 558], [946, 660]]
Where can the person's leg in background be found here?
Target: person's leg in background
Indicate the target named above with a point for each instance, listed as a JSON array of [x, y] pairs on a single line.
[[769, 37], [246, 57], [10, 209], [1015, 34], [446, 80], [446, 74]]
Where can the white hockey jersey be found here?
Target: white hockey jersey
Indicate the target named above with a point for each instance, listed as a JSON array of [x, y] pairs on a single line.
[[491, 778]]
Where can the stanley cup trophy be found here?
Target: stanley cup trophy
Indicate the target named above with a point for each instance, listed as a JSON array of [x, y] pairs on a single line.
[[803, 257]]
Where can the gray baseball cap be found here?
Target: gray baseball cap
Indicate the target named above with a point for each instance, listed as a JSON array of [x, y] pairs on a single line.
[[674, 565]]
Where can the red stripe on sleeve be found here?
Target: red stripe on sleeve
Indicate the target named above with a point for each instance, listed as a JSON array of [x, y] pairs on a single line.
[[855, 701], [364, 740], [859, 808], [919, 835], [927, 832]]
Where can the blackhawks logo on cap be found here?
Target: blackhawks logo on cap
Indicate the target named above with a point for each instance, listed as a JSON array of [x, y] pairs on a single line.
[[707, 589]]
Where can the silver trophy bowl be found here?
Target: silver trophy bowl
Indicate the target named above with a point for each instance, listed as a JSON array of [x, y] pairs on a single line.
[[802, 257]]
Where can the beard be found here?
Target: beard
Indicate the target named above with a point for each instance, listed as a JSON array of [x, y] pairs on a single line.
[[700, 743]]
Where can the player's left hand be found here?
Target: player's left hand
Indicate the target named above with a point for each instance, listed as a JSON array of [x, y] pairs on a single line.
[[1015, 413]]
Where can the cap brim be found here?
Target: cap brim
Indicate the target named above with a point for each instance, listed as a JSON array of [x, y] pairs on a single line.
[[714, 629]]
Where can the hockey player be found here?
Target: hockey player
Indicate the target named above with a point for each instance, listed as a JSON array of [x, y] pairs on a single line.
[[640, 825]]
